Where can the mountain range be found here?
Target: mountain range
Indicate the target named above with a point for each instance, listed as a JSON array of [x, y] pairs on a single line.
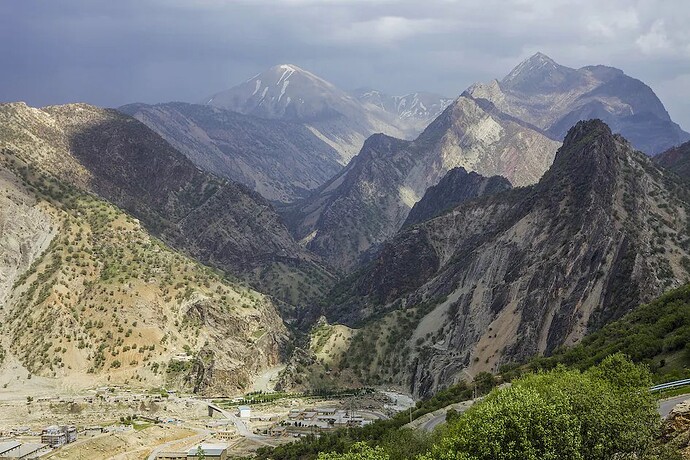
[[341, 119], [434, 239], [509, 128], [222, 223], [369, 200], [286, 131]]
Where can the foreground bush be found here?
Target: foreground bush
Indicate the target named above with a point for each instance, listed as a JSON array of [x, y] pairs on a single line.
[[604, 413]]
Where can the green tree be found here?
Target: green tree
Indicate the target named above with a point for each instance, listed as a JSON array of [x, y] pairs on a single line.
[[484, 382], [358, 451]]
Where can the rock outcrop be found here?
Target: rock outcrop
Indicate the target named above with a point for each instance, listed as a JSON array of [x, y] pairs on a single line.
[[456, 187]]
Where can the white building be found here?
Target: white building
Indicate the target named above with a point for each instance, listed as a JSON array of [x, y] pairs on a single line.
[[244, 411]]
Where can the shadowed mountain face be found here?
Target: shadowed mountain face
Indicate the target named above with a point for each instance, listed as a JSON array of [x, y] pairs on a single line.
[[455, 188], [117, 157], [554, 98], [281, 160], [677, 160], [370, 199], [503, 277]]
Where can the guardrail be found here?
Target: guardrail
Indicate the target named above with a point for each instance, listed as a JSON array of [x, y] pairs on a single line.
[[670, 385]]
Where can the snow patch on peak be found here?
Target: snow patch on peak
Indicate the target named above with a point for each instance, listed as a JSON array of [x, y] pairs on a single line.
[[288, 67], [258, 86], [286, 82], [284, 78]]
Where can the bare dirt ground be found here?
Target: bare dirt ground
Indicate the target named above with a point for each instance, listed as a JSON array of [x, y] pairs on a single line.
[[122, 446], [102, 411]]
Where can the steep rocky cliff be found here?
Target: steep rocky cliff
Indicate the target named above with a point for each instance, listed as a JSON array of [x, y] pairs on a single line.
[[370, 199], [507, 276], [456, 187], [554, 97], [117, 157], [280, 160]]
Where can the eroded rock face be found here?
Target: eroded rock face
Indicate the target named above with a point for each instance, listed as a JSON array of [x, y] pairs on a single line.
[[25, 231], [508, 276]]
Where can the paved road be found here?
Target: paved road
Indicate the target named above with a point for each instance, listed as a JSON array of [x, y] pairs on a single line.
[[433, 423], [667, 405]]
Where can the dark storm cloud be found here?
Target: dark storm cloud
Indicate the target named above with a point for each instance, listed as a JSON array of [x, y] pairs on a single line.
[[111, 53]]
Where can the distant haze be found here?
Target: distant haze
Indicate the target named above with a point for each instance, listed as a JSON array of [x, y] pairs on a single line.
[[113, 53]]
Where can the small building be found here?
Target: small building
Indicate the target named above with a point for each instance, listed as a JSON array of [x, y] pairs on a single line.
[[56, 436], [278, 431], [210, 451], [70, 433], [171, 456], [224, 435], [53, 436], [93, 430], [28, 450], [8, 447], [244, 411]]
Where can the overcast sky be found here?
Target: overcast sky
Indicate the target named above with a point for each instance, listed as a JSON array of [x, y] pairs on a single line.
[[113, 52]]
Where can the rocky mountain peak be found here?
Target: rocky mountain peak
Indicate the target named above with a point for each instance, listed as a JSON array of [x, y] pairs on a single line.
[[586, 131], [500, 278], [587, 161], [537, 71], [282, 73], [554, 97]]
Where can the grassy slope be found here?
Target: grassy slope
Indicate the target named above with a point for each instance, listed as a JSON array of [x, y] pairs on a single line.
[[108, 300]]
